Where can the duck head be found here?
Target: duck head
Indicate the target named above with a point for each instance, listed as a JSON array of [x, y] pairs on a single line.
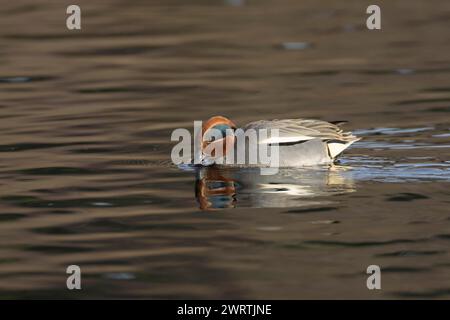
[[217, 138]]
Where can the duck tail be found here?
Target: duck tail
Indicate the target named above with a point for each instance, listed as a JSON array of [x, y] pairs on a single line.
[[335, 148]]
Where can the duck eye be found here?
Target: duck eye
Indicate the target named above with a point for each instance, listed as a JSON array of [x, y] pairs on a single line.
[[210, 139]]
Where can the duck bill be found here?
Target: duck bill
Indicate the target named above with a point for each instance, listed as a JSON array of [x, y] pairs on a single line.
[[218, 150]]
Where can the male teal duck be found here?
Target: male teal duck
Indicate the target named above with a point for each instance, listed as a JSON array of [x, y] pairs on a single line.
[[301, 142]]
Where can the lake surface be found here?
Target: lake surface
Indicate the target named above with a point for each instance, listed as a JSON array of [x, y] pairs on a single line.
[[86, 177]]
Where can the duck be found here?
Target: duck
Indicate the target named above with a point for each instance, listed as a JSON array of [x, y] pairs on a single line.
[[301, 142]]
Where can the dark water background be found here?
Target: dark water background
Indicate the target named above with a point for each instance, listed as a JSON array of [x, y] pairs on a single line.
[[85, 174]]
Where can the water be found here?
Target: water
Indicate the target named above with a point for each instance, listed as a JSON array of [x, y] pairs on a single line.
[[86, 178]]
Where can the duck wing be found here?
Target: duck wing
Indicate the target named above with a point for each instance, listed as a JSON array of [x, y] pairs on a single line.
[[299, 130]]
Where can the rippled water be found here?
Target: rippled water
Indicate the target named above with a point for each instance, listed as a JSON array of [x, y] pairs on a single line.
[[86, 178]]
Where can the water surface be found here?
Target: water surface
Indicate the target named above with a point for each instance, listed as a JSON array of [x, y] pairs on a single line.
[[86, 178]]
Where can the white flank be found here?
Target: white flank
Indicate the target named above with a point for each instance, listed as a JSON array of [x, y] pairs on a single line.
[[285, 139]]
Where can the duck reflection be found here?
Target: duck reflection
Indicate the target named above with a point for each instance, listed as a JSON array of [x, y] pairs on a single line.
[[218, 188]]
